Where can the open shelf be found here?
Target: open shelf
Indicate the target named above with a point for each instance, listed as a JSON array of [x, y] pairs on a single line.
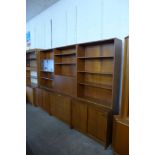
[[46, 71], [46, 78], [63, 63], [90, 72], [95, 71], [66, 54], [105, 86], [96, 57], [46, 68], [98, 101], [32, 68]]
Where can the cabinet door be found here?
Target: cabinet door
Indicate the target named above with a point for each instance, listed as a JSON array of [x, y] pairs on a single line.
[[51, 102], [29, 95], [62, 108], [38, 97], [97, 123], [46, 101], [79, 115]]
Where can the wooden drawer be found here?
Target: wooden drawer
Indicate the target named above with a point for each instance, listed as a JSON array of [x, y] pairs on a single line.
[[62, 108], [79, 115], [30, 95], [99, 124]]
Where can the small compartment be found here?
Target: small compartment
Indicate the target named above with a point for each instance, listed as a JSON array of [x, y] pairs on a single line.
[[46, 68], [65, 61], [98, 50]]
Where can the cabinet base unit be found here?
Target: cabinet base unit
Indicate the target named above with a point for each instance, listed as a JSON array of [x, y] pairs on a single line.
[[120, 136]]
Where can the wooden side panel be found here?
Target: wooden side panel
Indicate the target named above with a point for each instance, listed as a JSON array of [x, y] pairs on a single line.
[[79, 115], [120, 138], [30, 95]]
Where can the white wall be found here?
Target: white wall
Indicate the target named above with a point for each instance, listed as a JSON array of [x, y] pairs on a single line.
[[75, 21]]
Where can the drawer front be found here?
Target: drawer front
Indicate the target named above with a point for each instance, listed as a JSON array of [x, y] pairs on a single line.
[[79, 115]]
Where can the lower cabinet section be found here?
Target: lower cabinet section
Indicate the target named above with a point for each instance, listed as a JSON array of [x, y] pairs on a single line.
[[89, 118], [94, 120], [79, 115], [120, 140], [62, 107]]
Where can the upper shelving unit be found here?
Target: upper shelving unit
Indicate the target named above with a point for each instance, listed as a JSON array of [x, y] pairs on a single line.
[[46, 68], [32, 67], [65, 61], [96, 71]]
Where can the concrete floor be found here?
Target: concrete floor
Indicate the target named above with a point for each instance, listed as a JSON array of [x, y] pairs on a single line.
[[47, 135]]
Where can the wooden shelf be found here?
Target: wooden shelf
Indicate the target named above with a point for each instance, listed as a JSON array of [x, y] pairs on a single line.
[[103, 73], [34, 77], [105, 86], [72, 76], [31, 59], [65, 63], [46, 78], [96, 57], [65, 54], [98, 101], [46, 71]]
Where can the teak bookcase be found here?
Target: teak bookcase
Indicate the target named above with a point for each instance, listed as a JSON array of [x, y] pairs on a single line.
[[82, 89]]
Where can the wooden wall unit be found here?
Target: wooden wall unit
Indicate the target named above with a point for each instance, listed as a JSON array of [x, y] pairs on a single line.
[[120, 140], [82, 88]]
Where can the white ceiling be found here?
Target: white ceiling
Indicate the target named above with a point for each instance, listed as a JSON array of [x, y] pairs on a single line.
[[34, 7]]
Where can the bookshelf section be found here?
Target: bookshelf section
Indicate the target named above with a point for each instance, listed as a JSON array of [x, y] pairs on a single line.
[[65, 69], [95, 70], [46, 70], [65, 61], [32, 68]]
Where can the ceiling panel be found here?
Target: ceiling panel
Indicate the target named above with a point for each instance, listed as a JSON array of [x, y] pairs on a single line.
[[34, 7]]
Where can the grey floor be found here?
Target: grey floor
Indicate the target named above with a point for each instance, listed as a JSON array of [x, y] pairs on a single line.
[[46, 135]]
